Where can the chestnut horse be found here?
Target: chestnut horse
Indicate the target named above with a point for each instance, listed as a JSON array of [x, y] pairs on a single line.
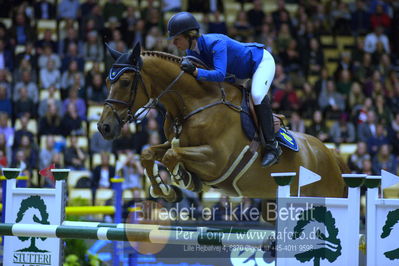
[[205, 139]]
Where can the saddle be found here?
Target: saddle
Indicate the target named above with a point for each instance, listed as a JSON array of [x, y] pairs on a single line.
[[249, 121], [250, 125]]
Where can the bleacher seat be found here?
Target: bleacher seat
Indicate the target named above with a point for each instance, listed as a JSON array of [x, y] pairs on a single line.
[[102, 195], [84, 193], [307, 122], [62, 23], [96, 159], [19, 49], [7, 22], [345, 42], [331, 67], [32, 125], [330, 53], [57, 138], [74, 177], [94, 112], [330, 122], [327, 40], [330, 145], [44, 94], [312, 79], [210, 197], [347, 149], [89, 65], [92, 128], [44, 24], [83, 142], [34, 180]]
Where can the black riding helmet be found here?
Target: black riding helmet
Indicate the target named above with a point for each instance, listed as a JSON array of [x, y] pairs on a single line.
[[181, 22]]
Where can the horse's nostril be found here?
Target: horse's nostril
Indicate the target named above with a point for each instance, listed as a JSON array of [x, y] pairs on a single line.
[[106, 128]]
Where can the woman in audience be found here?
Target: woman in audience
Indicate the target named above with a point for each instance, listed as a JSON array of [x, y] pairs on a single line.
[[132, 172], [343, 131], [5, 151], [68, 77], [385, 160], [318, 127], [50, 124], [92, 48], [71, 123], [30, 153]]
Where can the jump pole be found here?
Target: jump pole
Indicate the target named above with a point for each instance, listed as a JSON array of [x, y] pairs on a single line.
[[117, 247], [155, 236]]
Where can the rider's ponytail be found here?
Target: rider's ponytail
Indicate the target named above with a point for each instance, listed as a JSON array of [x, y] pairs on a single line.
[[191, 35]]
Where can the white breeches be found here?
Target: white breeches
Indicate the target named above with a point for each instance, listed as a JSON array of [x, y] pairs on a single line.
[[263, 78]]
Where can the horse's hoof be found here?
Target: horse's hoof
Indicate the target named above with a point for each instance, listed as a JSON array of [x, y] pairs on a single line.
[[155, 192], [175, 195], [179, 193], [197, 184]]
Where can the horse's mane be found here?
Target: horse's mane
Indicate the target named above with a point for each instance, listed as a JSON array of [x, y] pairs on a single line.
[[170, 57], [163, 55]]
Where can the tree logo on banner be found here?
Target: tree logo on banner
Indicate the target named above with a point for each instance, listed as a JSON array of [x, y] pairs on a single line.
[[32, 205], [392, 219], [330, 246]]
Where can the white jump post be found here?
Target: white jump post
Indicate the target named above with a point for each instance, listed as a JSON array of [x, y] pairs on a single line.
[[382, 221], [33, 206], [317, 231]]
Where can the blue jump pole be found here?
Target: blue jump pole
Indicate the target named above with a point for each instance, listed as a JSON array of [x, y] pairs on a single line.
[[22, 181], [3, 198], [117, 247]]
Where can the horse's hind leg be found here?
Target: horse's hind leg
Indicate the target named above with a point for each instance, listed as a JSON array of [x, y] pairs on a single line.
[[158, 186]]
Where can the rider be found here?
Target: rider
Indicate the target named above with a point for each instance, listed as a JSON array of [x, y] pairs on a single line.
[[228, 56]]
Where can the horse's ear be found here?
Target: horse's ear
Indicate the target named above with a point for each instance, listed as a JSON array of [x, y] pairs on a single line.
[[135, 54], [114, 53]]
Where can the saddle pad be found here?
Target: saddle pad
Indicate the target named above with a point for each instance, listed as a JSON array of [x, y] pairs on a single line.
[[284, 137]]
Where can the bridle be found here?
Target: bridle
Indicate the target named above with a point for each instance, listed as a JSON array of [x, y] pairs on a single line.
[[118, 69], [114, 76]]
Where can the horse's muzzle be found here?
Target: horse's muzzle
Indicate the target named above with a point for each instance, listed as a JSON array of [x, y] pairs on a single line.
[[105, 130]]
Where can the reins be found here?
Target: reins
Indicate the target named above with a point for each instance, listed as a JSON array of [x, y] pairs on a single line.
[[153, 104]]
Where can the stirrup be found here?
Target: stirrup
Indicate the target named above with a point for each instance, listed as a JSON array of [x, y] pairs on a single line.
[[272, 154]]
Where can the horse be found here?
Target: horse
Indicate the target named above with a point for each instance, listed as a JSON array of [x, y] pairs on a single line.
[[205, 144]]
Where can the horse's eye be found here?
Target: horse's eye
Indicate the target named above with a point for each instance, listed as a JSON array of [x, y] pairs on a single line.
[[125, 83]]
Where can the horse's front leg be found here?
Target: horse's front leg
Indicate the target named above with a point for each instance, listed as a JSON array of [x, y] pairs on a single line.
[[196, 158], [158, 186]]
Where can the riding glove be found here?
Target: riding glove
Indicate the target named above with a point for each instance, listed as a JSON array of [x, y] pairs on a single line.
[[187, 66]]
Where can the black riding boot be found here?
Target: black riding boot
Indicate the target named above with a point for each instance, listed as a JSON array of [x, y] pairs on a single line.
[[266, 124]]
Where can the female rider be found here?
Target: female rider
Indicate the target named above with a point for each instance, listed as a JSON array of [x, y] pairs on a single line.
[[228, 56]]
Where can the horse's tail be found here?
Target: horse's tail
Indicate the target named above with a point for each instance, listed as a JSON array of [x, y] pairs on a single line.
[[342, 165]]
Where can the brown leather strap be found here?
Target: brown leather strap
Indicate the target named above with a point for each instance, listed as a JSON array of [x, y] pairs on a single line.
[[227, 184]]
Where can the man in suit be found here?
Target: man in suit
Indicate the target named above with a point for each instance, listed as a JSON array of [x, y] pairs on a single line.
[[101, 175], [44, 10], [368, 129]]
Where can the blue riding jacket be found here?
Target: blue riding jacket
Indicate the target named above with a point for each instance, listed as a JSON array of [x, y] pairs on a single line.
[[226, 55]]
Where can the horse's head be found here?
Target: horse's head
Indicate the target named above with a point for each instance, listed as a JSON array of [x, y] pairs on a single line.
[[124, 99]]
